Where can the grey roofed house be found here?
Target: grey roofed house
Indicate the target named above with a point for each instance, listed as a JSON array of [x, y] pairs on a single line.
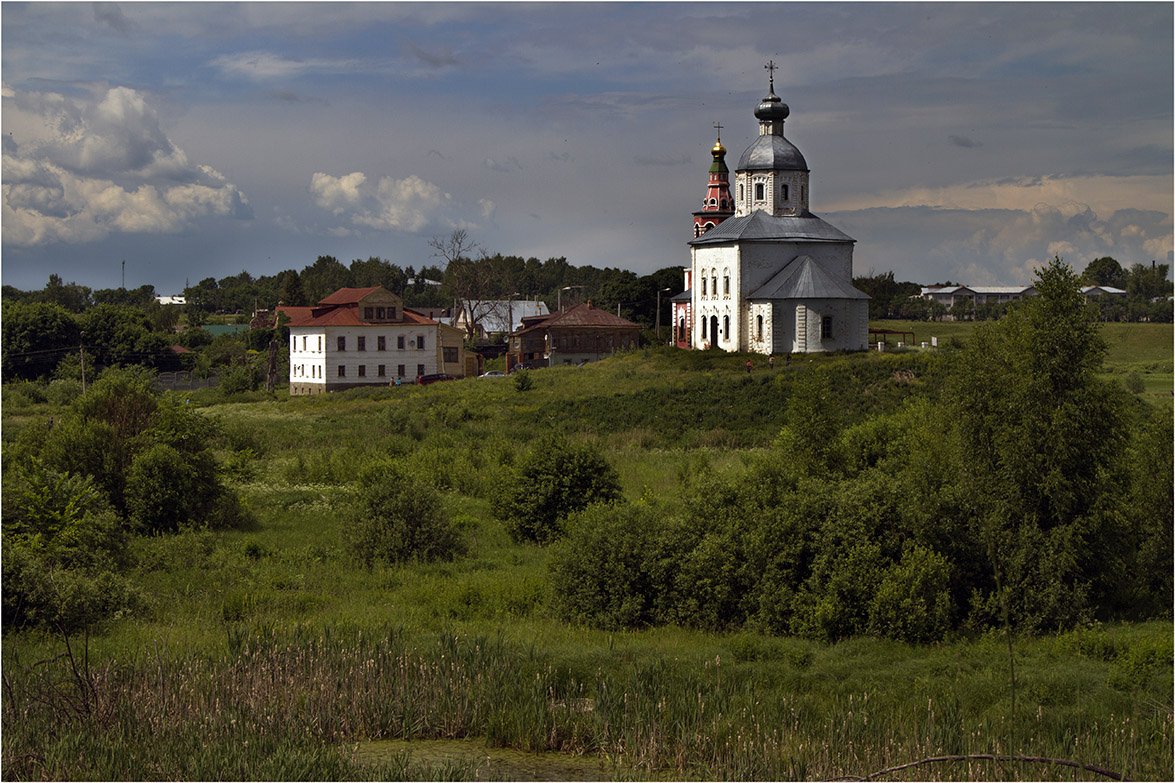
[[803, 278], [764, 227]]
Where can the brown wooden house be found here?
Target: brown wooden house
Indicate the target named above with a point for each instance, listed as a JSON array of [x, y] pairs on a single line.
[[573, 336]]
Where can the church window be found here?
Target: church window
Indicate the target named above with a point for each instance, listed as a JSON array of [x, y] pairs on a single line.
[[713, 202], [714, 285], [826, 327], [802, 193], [785, 192], [726, 284], [703, 328], [758, 191], [759, 328], [740, 192], [703, 286], [726, 327]]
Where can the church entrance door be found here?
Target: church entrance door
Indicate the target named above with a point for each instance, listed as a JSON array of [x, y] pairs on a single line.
[[714, 330]]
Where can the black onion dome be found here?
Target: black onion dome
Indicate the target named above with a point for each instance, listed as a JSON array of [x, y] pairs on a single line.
[[772, 153]]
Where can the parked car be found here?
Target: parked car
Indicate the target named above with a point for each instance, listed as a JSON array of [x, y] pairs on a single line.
[[425, 380], [492, 374]]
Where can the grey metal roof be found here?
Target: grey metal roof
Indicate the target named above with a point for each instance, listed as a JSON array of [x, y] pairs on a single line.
[[772, 152], [684, 296], [803, 278], [761, 226]]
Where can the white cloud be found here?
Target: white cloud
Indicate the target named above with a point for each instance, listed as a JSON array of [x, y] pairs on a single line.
[[410, 204], [266, 65], [337, 193], [77, 171]]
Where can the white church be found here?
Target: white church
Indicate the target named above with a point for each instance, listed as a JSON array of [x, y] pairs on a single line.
[[766, 275]]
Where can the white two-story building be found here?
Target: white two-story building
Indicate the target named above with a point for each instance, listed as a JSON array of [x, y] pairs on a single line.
[[364, 337]]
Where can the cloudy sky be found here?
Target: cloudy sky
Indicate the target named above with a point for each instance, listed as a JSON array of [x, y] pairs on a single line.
[[965, 142]]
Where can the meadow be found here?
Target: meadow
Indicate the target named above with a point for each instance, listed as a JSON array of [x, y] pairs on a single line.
[[268, 652]]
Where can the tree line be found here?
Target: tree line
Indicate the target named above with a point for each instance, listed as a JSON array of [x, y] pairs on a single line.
[[1147, 289]]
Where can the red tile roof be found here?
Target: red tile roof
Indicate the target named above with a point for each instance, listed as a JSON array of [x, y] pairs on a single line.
[[345, 313], [349, 295]]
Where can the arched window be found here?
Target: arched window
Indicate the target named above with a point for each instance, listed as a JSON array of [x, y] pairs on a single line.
[[713, 202], [703, 328], [714, 284], [714, 328], [703, 285], [740, 192], [681, 329], [726, 327], [759, 328], [726, 283]]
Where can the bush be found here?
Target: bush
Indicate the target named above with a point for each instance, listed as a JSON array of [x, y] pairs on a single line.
[[913, 602], [553, 480], [167, 490], [523, 381], [400, 519], [604, 571], [63, 391], [239, 378]]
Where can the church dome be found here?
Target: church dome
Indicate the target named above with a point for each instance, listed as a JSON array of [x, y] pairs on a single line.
[[772, 107], [772, 153]]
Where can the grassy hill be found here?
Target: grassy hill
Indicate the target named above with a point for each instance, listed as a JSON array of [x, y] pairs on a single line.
[[267, 652]]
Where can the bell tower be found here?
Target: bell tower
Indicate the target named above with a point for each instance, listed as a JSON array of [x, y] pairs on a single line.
[[717, 205]]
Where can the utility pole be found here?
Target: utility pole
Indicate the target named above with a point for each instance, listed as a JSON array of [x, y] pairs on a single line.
[[82, 352], [124, 274], [663, 290]]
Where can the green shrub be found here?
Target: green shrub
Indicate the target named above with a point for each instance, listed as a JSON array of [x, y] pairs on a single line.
[[63, 391], [553, 480], [167, 490], [400, 518], [913, 602], [604, 571], [1134, 383], [523, 381], [239, 378]]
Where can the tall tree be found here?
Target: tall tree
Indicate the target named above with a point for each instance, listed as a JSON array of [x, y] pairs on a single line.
[[1104, 271]]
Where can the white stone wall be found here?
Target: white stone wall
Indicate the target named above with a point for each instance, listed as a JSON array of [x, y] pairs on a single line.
[[317, 366], [799, 325]]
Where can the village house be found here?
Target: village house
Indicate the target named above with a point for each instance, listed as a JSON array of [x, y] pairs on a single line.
[[579, 334], [366, 337]]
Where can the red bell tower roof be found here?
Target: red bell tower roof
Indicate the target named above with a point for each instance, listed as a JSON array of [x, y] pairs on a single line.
[[717, 205]]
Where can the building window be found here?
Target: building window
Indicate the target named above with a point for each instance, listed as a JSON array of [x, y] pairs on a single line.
[[303, 343], [342, 343], [361, 344], [419, 370], [740, 192], [392, 313], [726, 327], [381, 371], [758, 191], [703, 286], [726, 284], [342, 371], [363, 371], [714, 285], [450, 354], [703, 328], [420, 342], [785, 192], [368, 314], [381, 343], [400, 370], [826, 327], [759, 328], [400, 343], [320, 343], [379, 313]]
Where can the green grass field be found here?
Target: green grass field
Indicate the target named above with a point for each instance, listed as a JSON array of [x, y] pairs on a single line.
[[268, 653]]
